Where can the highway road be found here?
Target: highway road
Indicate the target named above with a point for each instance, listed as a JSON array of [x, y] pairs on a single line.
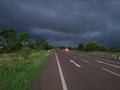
[[78, 71]]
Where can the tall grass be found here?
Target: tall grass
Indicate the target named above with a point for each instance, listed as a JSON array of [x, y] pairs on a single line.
[[18, 73]]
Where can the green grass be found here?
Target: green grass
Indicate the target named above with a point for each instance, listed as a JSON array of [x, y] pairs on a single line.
[[17, 73]]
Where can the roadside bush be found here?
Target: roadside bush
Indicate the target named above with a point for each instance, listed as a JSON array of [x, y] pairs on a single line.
[[26, 52]]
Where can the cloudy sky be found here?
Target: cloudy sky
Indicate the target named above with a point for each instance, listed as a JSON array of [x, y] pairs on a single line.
[[64, 22]]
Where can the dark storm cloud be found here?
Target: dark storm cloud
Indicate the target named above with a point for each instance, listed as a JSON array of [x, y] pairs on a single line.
[[64, 22]]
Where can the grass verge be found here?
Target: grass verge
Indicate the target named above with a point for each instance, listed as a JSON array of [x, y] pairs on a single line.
[[17, 73]]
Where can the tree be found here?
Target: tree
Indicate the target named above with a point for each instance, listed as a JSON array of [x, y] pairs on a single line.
[[10, 36], [92, 46], [23, 38], [48, 47], [80, 47], [42, 44]]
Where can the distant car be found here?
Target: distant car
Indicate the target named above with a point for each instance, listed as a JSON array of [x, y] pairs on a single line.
[[66, 49]]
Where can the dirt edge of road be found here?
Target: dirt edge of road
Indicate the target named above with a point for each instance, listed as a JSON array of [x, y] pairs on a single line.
[[36, 85]]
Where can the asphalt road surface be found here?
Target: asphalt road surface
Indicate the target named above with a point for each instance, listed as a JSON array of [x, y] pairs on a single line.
[[78, 71]]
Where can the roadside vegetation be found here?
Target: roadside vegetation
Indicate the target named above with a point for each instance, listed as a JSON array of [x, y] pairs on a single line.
[[21, 60], [95, 48], [17, 72]]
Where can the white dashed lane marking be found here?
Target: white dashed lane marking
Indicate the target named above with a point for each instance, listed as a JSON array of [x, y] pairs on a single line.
[[75, 63], [111, 72], [108, 64]]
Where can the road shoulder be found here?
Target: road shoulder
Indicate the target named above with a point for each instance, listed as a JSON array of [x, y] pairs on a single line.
[[50, 79]]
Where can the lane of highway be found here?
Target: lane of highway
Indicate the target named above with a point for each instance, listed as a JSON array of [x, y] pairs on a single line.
[[78, 71], [92, 75], [112, 61], [98, 62]]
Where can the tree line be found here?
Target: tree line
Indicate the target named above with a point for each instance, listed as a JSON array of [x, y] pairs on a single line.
[[95, 46], [10, 42], [92, 46]]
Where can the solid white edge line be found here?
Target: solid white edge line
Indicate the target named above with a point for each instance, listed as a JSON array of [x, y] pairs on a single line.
[[111, 72], [108, 64], [61, 74]]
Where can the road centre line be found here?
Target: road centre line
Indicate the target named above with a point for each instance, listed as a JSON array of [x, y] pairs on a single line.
[[61, 74], [75, 63], [108, 64], [111, 72]]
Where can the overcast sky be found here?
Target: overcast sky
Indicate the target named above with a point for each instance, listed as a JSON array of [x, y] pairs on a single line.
[[64, 22]]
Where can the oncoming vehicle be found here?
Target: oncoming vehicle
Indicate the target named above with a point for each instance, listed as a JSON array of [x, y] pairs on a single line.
[[66, 49]]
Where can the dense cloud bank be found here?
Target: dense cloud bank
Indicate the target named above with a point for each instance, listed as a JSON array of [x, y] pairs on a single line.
[[64, 22]]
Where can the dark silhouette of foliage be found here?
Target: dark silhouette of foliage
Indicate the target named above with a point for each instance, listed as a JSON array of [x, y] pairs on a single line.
[[13, 43], [23, 38], [92, 46], [42, 44], [81, 47]]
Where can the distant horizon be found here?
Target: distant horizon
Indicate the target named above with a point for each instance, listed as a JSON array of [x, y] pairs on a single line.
[[73, 46]]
